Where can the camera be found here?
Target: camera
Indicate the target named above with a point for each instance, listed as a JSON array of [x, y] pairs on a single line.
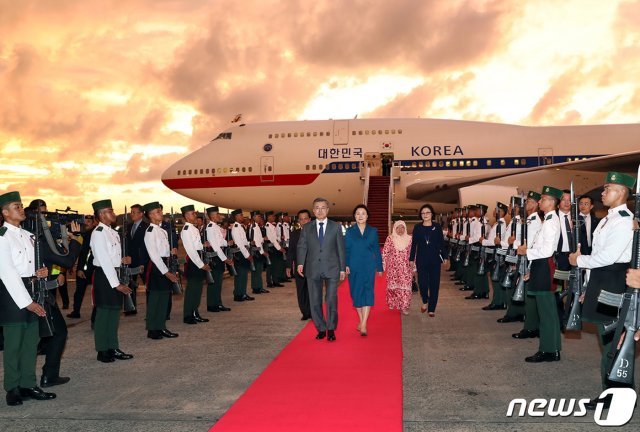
[[54, 220]]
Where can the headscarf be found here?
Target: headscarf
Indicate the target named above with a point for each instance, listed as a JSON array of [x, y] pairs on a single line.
[[400, 241]]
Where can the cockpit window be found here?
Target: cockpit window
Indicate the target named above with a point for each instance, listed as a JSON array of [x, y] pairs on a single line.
[[223, 135]]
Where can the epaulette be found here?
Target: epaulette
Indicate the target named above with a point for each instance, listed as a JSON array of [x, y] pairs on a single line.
[[533, 217], [3, 230], [210, 224], [150, 228], [236, 225], [99, 228], [624, 213], [186, 227], [548, 217]]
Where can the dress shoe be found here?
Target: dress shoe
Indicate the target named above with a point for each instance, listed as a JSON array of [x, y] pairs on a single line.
[[269, 285], [36, 393], [304, 318], [477, 296], [129, 313], [494, 307], [247, 297], [459, 283], [13, 397], [526, 334], [73, 315], [50, 381], [264, 291], [466, 288], [238, 298], [65, 306], [331, 335], [508, 319], [120, 355], [593, 403], [190, 320], [321, 335], [169, 334], [543, 357], [198, 318], [212, 309], [278, 285], [105, 357], [224, 308], [154, 334]]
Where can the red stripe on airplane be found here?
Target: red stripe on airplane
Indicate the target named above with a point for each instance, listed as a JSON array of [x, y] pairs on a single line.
[[240, 181]]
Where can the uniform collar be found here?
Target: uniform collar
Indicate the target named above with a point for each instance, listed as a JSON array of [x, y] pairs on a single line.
[[617, 209], [12, 227], [104, 225]]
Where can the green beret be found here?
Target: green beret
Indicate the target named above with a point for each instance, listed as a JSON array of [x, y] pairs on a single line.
[[255, 213], [187, 208], [534, 195], [621, 179], [104, 204], [269, 213], [279, 214], [482, 207], [236, 211], [472, 206], [551, 191], [151, 206], [503, 207], [213, 209], [10, 197]]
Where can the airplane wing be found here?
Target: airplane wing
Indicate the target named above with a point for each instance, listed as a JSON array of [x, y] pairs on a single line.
[[445, 190]]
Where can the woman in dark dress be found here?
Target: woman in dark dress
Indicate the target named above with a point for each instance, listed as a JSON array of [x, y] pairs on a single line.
[[428, 254], [363, 259]]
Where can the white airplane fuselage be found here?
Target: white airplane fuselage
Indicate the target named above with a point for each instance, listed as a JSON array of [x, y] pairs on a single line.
[[285, 165]]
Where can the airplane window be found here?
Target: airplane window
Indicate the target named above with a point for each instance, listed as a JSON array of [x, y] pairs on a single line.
[[250, 169], [178, 172], [421, 164], [469, 163], [270, 136], [314, 167], [373, 132], [321, 133], [359, 132], [448, 163], [502, 162], [393, 131], [366, 132], [244, 169], [201, 171], [282, 134], [353, 132], [523, 161], [207, 171], [237, 169], [386, 132], [189, 172], [295, 134], [320, 166], [489, 162], [413, 164], [277, 135], [307, 167], [225, 170], [289, 135], [379, 131], [475, 163], [315, 134], [516, 162], [308, 134], [340, 166], [399, 131], [440, 164]]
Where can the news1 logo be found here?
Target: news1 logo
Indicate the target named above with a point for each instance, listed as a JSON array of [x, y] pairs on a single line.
[[619, 413]]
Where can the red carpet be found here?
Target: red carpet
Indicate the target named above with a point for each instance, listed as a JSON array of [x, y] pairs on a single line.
[[352, 384]]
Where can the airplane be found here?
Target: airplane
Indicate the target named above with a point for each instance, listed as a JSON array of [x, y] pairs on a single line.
[[285, 165]]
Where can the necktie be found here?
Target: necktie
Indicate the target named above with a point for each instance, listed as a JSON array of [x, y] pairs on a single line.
[[321, 233], [134, 228], [567, 226]]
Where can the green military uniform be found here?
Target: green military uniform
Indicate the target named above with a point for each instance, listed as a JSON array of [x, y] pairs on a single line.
[[196, 275], [241, 254], [256, 240], [20, 326], [480, 281], [218, 246]]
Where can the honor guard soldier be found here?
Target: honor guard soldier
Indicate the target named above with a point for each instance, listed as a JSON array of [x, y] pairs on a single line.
[[480, 281], [282, 239], [195, 268], [608, 263], [257, 251], [286, 236], [463, 232], [108, 291], [489, 241], [242, 257], [18, 312], [526, 312], [275, 252], [216, 243], [158, 279], [540, 255]]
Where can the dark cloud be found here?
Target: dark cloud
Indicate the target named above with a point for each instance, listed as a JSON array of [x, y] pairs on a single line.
[[142, 169]]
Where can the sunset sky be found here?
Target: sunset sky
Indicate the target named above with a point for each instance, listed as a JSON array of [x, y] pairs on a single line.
[[99, 97]]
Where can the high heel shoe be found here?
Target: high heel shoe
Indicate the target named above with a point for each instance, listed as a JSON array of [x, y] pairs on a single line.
[[423, 308], [432, 314], [363, 333]]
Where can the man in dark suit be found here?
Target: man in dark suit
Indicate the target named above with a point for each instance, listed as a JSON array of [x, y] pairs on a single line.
[[321, 258], [136, 248], [84, 267], [588, 223], [302, 290]]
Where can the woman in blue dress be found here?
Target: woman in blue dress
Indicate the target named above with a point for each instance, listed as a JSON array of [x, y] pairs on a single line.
[[428, 254], [363, 260]]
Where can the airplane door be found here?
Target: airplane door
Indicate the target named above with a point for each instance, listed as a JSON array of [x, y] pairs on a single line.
[[266, 169], [545, 156], [341, 132]]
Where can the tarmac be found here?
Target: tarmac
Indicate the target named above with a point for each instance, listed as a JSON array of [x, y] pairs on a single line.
[[460, 370]]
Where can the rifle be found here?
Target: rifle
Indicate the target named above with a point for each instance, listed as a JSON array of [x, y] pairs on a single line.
[[231, 250], [483, 249], [498, 256], [622, 361], [523, 262], [574, 320], [460, 241], [467, 245], [174, 266], [124, 271], [204, 256], [41, 287], [511, 258], [247, 246]]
